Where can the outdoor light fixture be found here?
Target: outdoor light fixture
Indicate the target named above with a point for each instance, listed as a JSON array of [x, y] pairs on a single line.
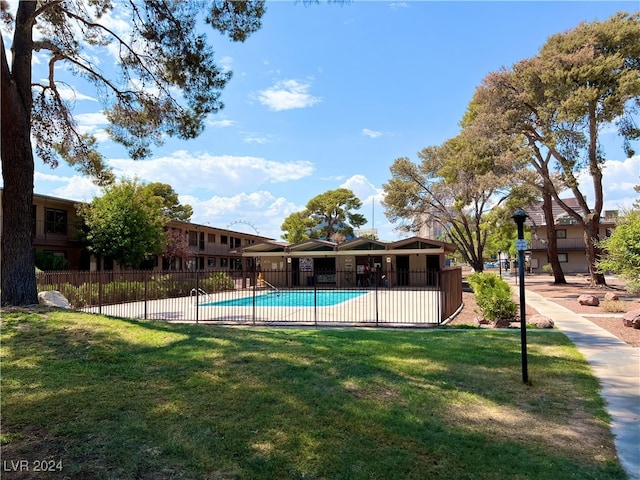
[[521, 245]]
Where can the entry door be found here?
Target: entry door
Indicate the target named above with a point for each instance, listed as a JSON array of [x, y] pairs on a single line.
[[402, 262], [295, 272]]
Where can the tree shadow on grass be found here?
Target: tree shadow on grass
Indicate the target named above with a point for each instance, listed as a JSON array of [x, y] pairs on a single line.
[[143, 399]]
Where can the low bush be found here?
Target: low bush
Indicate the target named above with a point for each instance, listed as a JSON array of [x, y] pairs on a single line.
[[493, 296], [613, 306], [216, 282], [633, 287]]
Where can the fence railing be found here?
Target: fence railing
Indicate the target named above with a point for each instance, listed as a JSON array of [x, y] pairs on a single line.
[[266, 297]]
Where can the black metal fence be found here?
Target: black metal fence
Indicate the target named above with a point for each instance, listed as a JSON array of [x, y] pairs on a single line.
[[412, 298]]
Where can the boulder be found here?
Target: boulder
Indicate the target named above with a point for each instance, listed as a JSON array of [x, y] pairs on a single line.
[[590, 300], [53, 298], [632, 318], [541, 321], [611, 296]]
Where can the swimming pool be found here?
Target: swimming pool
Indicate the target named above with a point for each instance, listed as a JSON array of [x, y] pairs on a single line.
[[292, 298]]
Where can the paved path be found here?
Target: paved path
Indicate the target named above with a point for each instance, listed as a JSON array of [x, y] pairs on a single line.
[[616, 364]]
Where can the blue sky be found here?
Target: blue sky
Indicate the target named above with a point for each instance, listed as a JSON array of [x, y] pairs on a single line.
[[328, 96]]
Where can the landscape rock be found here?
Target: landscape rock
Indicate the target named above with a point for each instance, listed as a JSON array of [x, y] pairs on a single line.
[[590, 300], [541, 321], [502, 323], [632, 319], [611, 296], [482, 321], [53, 298]]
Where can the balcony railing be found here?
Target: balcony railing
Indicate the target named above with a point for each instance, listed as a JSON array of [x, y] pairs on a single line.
[[563, 244], [55, 234]]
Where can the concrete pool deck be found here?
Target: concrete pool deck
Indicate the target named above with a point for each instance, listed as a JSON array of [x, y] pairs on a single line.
[[382, 306]]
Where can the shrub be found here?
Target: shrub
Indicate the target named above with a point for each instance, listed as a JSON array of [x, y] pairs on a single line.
[[613, 306], [216, 282], [547, 268], [493, 296], [48, 261], [633, 287]]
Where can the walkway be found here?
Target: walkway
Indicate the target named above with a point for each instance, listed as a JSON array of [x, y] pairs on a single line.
[[617, 366]]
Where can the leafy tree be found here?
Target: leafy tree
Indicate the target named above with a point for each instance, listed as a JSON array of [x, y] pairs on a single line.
[[332, 212], [370, 236], [177, 246], [325, 215], [167, 84], [622, 249], [172, 209], [456, 185], [559, 101], [126, 223], [296, 227]]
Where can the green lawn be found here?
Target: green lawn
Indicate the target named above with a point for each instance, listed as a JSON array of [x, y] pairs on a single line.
[[117, 399]]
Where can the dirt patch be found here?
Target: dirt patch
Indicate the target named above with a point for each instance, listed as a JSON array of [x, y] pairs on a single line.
[[567, 296]]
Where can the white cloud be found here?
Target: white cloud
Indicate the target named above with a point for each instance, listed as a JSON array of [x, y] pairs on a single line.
[[255, 139], [360, 186], [287, 95], [69, 93], [91, 119], [186, 171], [225, 63], [220, 123], [619, 179], [261, 209], [75, 187], [371, 133], [91, 122]]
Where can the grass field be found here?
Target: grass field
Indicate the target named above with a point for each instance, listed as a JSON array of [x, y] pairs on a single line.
[[103, 398]]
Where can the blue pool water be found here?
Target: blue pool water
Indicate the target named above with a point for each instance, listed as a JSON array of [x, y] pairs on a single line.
[[291, 298]]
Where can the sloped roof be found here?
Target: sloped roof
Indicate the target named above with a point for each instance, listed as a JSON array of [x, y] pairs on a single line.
[[536, 213], [362, 243], [312, 244], [420, 243], [357, 245], [267, 247]]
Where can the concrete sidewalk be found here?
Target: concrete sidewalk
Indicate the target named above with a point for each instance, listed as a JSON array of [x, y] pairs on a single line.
[[617, 366]]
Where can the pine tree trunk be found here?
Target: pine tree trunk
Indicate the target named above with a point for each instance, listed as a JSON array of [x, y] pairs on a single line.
[[552, 238], [18, 264], [591, 237]]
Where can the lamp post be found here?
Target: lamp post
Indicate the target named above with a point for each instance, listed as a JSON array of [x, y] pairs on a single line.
[[500, 263], [521, 245]]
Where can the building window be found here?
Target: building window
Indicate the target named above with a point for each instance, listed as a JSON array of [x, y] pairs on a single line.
[[34, 216], [608, 232], [224, 262], [561, 233], [193, 239], [563, 258], [211, 262], [211, 238], [224, 239], [56, 221]]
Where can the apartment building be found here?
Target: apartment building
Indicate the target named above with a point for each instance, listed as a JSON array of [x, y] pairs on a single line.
[[57, 227], [570, 235]]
